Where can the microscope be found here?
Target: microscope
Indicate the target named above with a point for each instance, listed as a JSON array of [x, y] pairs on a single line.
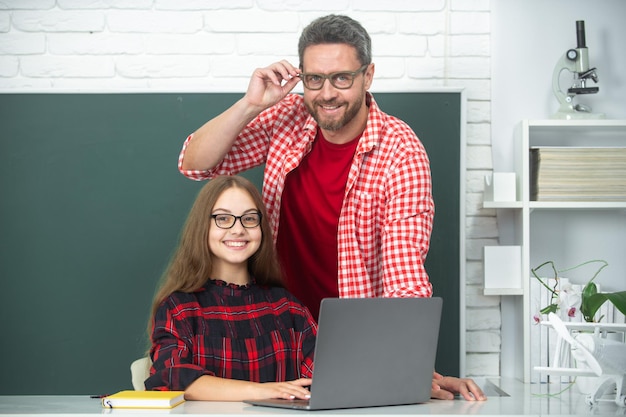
[[577, 62]]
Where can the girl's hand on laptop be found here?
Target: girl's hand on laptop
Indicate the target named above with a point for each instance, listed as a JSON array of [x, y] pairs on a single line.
[[444, 388], [288, 390]]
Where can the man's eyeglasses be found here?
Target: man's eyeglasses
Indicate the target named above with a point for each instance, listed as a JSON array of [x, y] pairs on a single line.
[[227, 221], [341, 80]]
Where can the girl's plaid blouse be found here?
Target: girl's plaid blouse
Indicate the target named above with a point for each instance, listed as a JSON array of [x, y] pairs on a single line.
[[249, 332]]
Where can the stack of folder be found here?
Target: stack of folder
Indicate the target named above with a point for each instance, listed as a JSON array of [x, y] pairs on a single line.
[[577, 174]]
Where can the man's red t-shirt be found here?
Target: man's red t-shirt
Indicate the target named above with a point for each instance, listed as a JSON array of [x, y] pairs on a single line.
[[309, 215]]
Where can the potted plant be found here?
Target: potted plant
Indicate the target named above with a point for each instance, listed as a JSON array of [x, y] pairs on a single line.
[[589, 300]]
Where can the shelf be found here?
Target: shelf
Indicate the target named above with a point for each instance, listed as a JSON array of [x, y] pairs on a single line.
[[583, 205], [592, 123], [502, 204], [567, 231], [503, 291], [609, 205]]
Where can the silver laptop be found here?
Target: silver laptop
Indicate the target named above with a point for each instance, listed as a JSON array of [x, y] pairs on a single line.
[[371, 352]]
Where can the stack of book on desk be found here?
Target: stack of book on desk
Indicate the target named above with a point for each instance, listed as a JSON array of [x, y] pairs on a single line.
[[577, 174], [144, 399]]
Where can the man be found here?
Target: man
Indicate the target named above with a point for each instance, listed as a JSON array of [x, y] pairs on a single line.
[[347, 187]]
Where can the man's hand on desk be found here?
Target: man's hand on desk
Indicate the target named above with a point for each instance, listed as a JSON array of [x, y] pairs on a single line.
[[445, 387]]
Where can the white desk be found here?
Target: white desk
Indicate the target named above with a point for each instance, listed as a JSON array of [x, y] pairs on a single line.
[[524, 400]]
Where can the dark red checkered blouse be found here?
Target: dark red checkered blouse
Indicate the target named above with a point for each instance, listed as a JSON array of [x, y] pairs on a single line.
[[249, 332]]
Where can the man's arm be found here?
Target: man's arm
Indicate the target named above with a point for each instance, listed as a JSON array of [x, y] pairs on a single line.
[[445, 388], [210, 143], [408, 225]]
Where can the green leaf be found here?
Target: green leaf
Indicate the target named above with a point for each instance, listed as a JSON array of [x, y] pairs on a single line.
[[588, 304], [590, 289], [552, 308], [592, 303], [619, 300]]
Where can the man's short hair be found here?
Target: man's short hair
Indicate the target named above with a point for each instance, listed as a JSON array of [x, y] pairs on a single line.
[[337, 29]]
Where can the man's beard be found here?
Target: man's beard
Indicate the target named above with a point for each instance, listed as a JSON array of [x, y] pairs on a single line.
[[334, 125]]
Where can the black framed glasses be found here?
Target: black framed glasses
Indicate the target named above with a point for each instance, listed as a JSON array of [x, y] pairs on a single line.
[[227, 221], [341, 79]]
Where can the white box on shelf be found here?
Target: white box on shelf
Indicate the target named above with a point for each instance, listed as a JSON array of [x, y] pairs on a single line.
[[500, 186], [503, 267]]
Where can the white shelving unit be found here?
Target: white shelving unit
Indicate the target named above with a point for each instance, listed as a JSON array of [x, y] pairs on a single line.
[[567, 233]]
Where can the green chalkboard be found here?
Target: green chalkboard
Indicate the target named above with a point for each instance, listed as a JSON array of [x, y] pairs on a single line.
[[91, 207]]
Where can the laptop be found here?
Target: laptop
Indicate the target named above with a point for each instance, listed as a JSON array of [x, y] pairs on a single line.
[[371, 352]]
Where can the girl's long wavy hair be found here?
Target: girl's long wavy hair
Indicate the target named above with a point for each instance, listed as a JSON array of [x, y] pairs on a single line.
[[191, 264]]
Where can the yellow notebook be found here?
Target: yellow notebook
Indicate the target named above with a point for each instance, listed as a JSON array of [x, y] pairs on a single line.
[[144, 399]]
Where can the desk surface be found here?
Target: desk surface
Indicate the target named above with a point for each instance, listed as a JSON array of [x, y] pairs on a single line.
[[524, 400]]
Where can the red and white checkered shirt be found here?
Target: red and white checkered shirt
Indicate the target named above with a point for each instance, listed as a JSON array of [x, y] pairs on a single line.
[[387, 214]]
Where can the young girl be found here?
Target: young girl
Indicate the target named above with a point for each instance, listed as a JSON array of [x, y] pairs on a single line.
[[223, 326]]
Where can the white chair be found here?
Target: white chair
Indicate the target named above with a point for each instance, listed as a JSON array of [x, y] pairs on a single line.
[[140, 371]]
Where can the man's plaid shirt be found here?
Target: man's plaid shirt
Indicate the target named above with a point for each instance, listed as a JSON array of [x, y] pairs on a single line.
[[387, 214]]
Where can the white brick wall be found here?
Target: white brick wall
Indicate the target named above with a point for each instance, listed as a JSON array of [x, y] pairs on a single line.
[[214, 45]]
